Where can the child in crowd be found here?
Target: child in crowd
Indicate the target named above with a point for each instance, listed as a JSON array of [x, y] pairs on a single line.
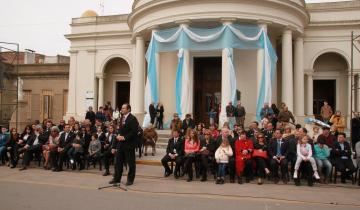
[[222, 155], [304, 153]]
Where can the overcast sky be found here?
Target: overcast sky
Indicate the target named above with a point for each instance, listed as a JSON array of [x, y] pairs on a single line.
[[40, 25]]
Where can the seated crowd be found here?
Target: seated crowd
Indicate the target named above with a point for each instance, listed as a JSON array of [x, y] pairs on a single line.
[[73, 144], [242, 154], [256, 153]]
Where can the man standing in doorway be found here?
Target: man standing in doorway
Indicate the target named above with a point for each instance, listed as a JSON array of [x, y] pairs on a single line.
[[326, 112], [152, 112], [230, 114], [240, 114], [125, 145]]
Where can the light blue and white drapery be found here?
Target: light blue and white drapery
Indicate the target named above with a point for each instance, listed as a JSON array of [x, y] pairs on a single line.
[[228, 37]]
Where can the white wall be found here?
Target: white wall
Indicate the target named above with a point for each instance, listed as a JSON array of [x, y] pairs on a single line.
[[245, 68]]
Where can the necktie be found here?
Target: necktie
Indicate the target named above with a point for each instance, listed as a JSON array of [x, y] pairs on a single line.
[[278, 153]]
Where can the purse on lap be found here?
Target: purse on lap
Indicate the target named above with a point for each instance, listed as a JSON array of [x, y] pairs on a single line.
[[260, 153]]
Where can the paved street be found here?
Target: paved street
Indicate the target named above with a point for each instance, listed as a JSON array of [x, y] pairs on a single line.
[[40, 189]]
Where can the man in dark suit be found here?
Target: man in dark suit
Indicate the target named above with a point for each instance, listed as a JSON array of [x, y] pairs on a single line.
[[65, 143], [127, 140], [342, 153], [278, 151], [188, 122], [174, 152], [152, 112]]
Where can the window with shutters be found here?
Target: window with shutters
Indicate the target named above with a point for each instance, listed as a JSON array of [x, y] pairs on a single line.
[[46, 104]]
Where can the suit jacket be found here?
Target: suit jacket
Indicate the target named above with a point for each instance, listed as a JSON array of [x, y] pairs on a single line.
[[152, 110], [273, 148], [130, 131], [211, 146], [178, 147], [42, 139], [66, 143], [338, 153], [102, 137], [186, 124]]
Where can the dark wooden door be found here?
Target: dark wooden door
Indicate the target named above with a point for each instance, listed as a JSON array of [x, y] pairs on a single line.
[[122, 93], [207, 87], [324, 90]]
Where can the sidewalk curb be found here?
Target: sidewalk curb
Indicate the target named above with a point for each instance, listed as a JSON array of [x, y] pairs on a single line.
[[149, 162]]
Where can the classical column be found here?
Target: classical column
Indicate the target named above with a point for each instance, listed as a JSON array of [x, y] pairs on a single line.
[[358, 92], [138, 77], [188, 109], [349, 95], [71, 109], [299, 99], [310, 93], [275, 86], [287, 69], [260, 63], [225, 87], [101, 90]]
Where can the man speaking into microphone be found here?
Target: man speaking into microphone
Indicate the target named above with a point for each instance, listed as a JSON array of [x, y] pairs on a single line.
[[125, 144]]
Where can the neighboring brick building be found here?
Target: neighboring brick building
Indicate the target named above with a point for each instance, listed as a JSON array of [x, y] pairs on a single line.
[[45, 87]]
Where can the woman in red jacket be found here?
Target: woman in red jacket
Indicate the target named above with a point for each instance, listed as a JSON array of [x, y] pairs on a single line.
[[192, 147], [243, 150]]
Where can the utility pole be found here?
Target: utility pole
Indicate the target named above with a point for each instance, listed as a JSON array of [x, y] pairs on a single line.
[[354, 39]]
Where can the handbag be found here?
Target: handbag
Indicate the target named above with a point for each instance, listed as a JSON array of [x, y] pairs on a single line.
[[260, 153], [205, 152]]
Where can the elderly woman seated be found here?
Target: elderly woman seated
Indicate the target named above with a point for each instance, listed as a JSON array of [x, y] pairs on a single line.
[[51, 145]]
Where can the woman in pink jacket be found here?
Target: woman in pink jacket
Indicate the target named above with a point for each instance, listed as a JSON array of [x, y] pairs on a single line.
[[192, 147]]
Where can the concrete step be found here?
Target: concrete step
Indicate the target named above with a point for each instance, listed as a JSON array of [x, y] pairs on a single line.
[[161, 145]]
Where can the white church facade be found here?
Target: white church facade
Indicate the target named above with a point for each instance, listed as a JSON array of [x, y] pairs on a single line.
[[312, 43]]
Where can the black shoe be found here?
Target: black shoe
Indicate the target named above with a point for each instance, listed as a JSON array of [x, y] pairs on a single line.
[[276, 180], [114, 181], [152, 154], [176, 176], [203, 179], [106, 173], [23, 168], [232, 180], [59, 169], [189, 180], [284, 180], [297, 182], [240, 181], [168, 173], [222, 181], [13, 167], [128, 183], [218, 181], [247, 180], [145, 154]]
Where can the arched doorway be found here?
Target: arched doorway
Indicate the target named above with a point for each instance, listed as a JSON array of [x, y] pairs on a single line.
[[116, 82], [330, 82]]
